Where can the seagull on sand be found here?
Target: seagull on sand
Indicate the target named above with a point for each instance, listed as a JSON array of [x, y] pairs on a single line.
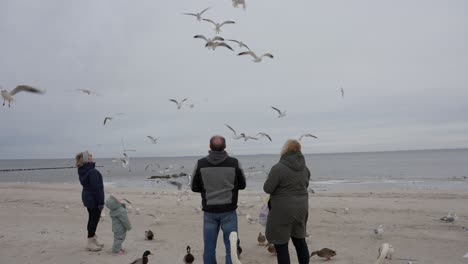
[[307, 135], [88, 92], [449, 218], [265, 135], [209, 41], [197, 15], [256, 58], [214, 45], [241, 44], [179, 105], [8, 96], [280, 113], [153, 140], [219, 25], [379, 232]]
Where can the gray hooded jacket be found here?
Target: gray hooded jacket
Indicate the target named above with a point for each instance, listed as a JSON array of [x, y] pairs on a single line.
[[120, 222], [287, 185]]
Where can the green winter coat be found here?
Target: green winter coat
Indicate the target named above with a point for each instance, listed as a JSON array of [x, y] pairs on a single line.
[[287, 185], [118, 213]]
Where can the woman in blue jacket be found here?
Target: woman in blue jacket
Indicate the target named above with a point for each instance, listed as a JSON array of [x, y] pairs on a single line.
[[92, 196]]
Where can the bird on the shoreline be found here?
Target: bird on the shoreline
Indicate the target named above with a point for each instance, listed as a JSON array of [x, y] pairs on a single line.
[[197, 15], [218, 25], [265, 135], [280, 113], [255, 57], [214, 45], [324, 253], [88, 92], [261, 239], [142, 260], [241, 44], [8, 96], [179, 105], [235, 250], [449, 218], [271, 248], [379, 231], [153, 140], [209, 41], [107, 118], [149, 235], [188, 258], [307, 135]]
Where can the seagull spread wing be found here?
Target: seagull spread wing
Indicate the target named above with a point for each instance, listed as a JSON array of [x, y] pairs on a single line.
[[233, 40], [175, 101], [127, 201], [227, 22], [209, 20], [269, 55], [204, 10], [307, 135], [276, 109], [189, 14], [185, 99], [218, 38], [265, 135], [107, 118], [222, 44], [201, 36], [251, 53], [232, 129], [25, 88]]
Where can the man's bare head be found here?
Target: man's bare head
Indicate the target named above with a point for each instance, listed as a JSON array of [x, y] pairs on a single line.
[[217, 143]]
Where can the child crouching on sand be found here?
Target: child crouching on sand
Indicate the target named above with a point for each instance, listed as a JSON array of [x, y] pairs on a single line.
[[120, 223]]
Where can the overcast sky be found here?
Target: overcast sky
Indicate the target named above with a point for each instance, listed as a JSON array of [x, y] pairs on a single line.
[[403, 66]]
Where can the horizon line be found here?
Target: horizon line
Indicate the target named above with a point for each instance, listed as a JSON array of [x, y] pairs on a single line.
[[264, 154]]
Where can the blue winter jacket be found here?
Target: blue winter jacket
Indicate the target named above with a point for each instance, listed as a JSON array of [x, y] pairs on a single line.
[[93, 187]]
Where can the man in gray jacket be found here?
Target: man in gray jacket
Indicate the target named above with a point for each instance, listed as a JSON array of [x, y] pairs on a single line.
[[218, 178]]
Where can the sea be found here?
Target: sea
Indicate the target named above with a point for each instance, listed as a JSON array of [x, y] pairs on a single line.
[[444, 170]]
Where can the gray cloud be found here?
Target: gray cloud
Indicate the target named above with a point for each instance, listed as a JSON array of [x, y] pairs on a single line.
[[402, 65]]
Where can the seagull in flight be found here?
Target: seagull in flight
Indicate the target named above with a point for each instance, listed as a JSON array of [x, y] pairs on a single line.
[[197, 15], [256, 58], [241, 135], [265, 135], [214, 45], [179, 105], [307, 135], [236, 137], [209, 41], [342, 92], [107, 118], [8, 96], [219, 25], [241, 44], [280, 113], [88, 92], [153, 140]]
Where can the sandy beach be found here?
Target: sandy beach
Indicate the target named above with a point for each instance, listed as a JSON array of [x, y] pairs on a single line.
[[46, 223]]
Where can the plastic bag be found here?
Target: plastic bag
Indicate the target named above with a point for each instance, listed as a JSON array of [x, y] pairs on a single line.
[[263, 214]]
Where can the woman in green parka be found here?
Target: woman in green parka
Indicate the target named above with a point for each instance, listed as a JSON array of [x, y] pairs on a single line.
[[287, 185]]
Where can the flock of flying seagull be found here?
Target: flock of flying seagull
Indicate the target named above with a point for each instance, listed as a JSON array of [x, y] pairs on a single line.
[[217, 41]]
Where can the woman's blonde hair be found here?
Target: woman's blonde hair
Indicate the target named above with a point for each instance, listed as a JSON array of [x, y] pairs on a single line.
[[291, 146], [79, 160]]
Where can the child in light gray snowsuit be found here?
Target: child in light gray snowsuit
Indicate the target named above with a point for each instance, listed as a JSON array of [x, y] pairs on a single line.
[[120, 222]]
